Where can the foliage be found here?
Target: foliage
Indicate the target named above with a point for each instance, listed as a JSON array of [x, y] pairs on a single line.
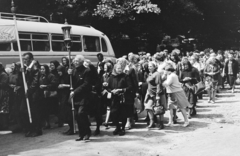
[[112, 8]]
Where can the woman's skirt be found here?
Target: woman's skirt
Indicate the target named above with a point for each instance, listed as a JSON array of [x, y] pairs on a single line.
[[231, 80], [149, 101], [178, 100]]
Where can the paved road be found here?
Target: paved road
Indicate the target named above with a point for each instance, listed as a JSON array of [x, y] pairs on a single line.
[[214, 131]]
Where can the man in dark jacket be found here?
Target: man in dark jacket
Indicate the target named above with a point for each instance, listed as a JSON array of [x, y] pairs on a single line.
[[100, 64], [82, 87], [32, 80], [231, 71]]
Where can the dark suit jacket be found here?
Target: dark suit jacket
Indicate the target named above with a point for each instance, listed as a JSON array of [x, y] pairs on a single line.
[[234, 67], [32, 79], [81, 85], [101, 64]]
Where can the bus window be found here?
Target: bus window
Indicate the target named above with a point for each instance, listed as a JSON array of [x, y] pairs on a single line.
[[58, 43], [40, 42], [5, 46], [91, 44], [76, 43], [104, 45], [25, 46]]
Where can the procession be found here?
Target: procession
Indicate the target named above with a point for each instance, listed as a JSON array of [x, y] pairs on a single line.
[[63, 83]]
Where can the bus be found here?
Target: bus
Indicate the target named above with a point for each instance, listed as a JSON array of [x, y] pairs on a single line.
[[45, 40]]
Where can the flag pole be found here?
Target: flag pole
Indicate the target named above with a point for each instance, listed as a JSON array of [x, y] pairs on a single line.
[[13, 9]]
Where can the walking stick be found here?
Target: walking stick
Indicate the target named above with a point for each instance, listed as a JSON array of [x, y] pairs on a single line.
[[13, 9], [67, 40]]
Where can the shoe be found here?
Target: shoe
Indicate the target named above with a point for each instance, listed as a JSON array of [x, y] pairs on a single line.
[[79, 139], [170, 124], [35, 134], [151, 126], [174, 121], [87, 137], [161, 126], [116, 131], [212, 101], [121, 132], [97, 132], [128, 126], [186, 124]]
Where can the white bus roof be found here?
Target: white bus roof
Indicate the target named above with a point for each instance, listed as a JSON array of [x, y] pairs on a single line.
[[53, 28]]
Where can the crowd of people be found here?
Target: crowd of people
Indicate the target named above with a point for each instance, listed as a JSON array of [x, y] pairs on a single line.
[[120, 89]]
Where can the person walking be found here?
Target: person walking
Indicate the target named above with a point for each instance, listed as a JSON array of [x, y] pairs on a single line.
[[32, 75], [177, 97], [81, 78], [120, 91], [231, 70], [155, 95]]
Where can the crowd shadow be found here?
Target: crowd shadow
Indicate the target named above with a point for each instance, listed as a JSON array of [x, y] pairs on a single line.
[[207, 106], [226, 102], [203, 110], [210, 116]]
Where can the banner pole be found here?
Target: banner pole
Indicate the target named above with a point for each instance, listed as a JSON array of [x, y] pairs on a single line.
[[22, 67]]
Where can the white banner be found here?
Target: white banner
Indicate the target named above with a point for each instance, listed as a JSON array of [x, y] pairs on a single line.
[[7, 34]]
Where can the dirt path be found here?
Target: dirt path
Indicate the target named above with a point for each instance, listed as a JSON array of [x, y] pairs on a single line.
[[214, 132]]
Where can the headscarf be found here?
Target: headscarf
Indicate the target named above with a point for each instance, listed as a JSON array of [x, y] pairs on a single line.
[[186, 62], [123, 62], [56, 63], [114, 72], [2, 68], [17, 67], [47, 70], [66, 60], [109, 66]]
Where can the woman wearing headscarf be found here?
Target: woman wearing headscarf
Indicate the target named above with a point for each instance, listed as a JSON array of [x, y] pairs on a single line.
[[108, 67], [120, 91], [155, 94], [65, 63], [131, 72], [211, 71], [4, 98], [48, 88], [63, 92], [53, 67], [16, 95], [189, 77], [177, 98]]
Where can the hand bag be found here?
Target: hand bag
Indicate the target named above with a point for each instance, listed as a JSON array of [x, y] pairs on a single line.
[[138, 104], [237, 82], [200, 87], [158, 110]]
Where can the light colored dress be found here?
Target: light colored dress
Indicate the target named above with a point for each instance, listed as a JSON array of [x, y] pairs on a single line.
[[177, 97]]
